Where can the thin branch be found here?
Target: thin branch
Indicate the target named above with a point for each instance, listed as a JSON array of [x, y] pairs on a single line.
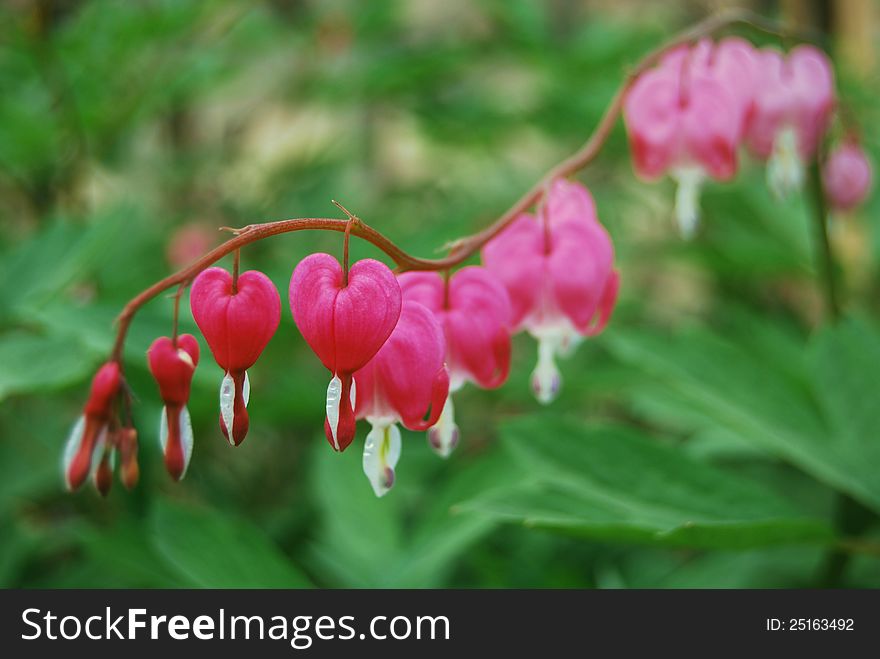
[[464, 248]]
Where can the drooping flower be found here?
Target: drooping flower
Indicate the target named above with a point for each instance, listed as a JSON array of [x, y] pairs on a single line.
[[86, 444], [473, 309], [846, 176], [794, 97], [345, 320], [127, 444], [172, 365], [405, 382], [237, 324], [558, 271], [686, 117]]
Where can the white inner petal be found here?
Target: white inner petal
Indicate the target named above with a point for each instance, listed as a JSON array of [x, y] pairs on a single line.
[[381, 453], [186, 438], [246, 389], [443, 436], [184, 356], [352, 394], [163, 429], [687, 199], [71, 447], [98, 452], [227, 404], [334, 395], [546, 379], [785, 171]]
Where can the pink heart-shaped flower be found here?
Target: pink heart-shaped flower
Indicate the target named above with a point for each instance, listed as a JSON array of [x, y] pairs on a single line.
[[345, 324], [237, 326]]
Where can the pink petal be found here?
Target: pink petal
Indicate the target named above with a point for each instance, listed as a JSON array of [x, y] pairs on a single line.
[[516, 259], [407, 378], [345, 326], [236, 326]]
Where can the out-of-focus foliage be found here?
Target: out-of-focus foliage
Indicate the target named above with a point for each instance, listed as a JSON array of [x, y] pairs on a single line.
[[701, 441]]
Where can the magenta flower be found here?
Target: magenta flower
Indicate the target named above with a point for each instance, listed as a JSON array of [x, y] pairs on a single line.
[[558, 271], [847, 176], [87, 444], [794, 97], [172, 366], [237, 324], [474, 312], [686, 116], [405, 382], [345, 323]]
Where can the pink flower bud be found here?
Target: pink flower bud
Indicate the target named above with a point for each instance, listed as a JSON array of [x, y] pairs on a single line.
[[173, 367], [405, 382], [686, 116], [559, 274], [847, 176], [474, 312], [87, 439], [127, 444], [237, 326], [345, 324], [793, 100]]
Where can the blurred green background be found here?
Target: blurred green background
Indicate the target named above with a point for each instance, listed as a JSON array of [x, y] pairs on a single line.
[[707, 439]]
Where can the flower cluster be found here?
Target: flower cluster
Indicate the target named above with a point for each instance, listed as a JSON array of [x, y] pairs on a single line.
[[399, 345], [396, 346], [688, 116]]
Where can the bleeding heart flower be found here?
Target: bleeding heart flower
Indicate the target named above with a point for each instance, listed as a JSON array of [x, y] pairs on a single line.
[[847, 176], [474, 311], [345, 322], [793, 100], [406, 381], [559, 274], [172, 366], [685, 117], [86, 446], [126, 442], [237, 324]]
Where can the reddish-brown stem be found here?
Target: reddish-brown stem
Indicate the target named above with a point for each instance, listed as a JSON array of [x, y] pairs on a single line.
[[175, 323], [345, 242], [463, 248], [236, 264]]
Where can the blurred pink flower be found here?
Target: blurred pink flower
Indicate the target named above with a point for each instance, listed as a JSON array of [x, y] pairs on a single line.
[[558, 271], [847, 176], [474, 312], [794, 97]]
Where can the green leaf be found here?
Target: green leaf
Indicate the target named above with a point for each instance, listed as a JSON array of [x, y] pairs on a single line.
[[731, 384], [30, 363], [409, 538], [207, 549], [613, 484]]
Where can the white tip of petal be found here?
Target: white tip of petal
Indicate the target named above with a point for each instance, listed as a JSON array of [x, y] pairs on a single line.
[[546, 379], [381, 453], [687, 201], [334, 395], [71, 447], [444, 435], [184, 356], [227, 404], [785, 171], [186, 438], [163, 429]]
